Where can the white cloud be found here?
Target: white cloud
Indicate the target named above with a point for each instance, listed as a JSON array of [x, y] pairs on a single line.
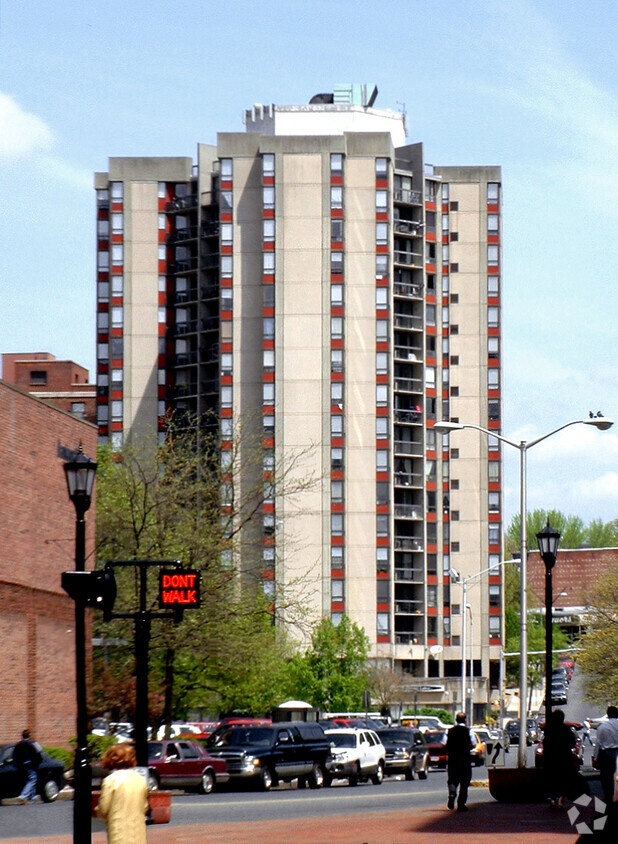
[[21, 133]]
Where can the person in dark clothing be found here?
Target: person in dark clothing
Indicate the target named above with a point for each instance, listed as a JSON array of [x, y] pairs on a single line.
[[558, 760], [27, 758], [459, 763]]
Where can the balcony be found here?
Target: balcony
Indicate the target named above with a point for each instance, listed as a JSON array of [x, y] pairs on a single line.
[[408, 385], [188, 233], [408, 289], [408, 353], [408, 543], [408, 511], [410, 197], [407, 575], [408, 416], [407, 447], [409, 607], [411, 227], [181, 203], [408, 259], [184, 266]]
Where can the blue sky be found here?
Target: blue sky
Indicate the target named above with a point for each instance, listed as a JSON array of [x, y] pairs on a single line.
[[527, 84]]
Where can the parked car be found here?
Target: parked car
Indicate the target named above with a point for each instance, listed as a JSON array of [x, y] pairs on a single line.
[[273, 752], [50, 776], [184, 764], [424, 722], [578, 750], [512, 728], [406, 752], [477, 754], [357, 755], [436, 745]]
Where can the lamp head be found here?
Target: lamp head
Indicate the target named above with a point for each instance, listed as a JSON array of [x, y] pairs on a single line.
[[447, 427], [80, 472], [548, 539], [599, 421]]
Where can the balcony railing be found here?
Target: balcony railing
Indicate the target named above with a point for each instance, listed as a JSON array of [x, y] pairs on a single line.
[[407, 447], [410, 575], [404, 288], [408, 511], [408, 227], [408, 353], [181, 203], [411, 197], [409, 607], [408, 416], [408, 259], [408, 543], [408, 385]]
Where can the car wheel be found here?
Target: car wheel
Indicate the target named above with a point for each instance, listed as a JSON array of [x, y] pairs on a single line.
[[378, 777], [50, 791], [410, 772], [422, 774], [207, 782], [316, 777], [266, 779], [354, 778]]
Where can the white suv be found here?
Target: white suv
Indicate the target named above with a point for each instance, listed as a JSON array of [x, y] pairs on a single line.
[[358, 755]]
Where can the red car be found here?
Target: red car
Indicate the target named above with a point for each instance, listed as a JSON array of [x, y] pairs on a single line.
[[184, 764], [436, 745]]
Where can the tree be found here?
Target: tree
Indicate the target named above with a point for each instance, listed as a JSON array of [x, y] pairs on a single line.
[[188, 499], [598, 656], [386, 684], [574, 533], [333, 674]]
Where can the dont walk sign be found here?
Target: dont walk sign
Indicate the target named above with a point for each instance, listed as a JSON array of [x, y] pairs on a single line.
[[179, 588]]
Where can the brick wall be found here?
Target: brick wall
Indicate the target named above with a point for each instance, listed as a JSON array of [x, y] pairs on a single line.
[[576, 573], [37, 656]]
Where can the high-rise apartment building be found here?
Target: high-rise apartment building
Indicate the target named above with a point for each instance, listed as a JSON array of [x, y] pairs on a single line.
[[315, 273]]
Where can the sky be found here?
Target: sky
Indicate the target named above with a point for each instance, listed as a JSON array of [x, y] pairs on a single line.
[[530, 85]]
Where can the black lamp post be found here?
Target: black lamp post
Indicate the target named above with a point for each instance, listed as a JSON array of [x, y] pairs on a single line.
[[548, 540], [80, 472]]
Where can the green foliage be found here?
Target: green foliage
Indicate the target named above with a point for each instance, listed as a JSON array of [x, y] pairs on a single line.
[[333, 674], [574, 533], [599, 646], [62, 754], [442, 714]]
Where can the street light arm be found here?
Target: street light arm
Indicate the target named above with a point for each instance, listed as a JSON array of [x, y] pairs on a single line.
[[602, 423]]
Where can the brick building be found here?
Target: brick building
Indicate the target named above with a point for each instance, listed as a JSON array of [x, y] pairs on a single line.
[[62, 383], [37, 659], [574, 578]]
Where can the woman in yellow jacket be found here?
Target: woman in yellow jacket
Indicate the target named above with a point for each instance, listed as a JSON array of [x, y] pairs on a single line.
[[124, 797]]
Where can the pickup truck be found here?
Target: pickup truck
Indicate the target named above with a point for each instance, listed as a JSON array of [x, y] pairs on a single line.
[[273, 753]]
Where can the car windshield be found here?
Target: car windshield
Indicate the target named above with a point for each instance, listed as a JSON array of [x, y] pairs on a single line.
[[403, 736], [244, 736], [342, 739], [435, 737]]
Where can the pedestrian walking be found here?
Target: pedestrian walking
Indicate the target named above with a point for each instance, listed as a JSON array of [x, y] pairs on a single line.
[[459, 743], [606, 752], [559, 762], [124, 797], [27, 759]]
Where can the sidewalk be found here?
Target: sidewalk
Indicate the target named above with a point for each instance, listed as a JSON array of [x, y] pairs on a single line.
[[485, 821]]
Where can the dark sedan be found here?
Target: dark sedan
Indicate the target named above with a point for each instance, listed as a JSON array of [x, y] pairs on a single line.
[[50, 776], [406, 752]]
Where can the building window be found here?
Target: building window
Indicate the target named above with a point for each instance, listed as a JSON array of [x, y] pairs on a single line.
[[336, 197], [102, 414], [382, 363], [226, 396], [117, 316], [382, 233], [102, 321], [493, 409], [493, 285], [268, 197], [382, 560], [381, 330], [381, 460], [494, 626], [493, 254], [336, 590], [268, 230], [382, 624], [268, 263], [268, 360], [226, 233], [38, 377], [336, 491], [382, 492], [103, 229], [381, 201], [268, 165], [381, 168], [103, 261], [336, 392], [336, 164], [382, 524], [336, 328], [336, 459], [226, 201], [336, 524], [117, 285], [494, 502], [493, 317], [336, 263], [268, 327], [493, 471], [493, 347], [493, 191], [492, 223], [336, 556], [336, 360], [493, 379], [336, 230], [103, 291], [381, 298], [117, 190], [226, 165], [336, 426], [269, 425], [116, 410], [268, 393], [336, 295], [381, 266], [381, 395], [78, 408]]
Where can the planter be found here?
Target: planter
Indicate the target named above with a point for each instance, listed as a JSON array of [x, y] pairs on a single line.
[[160, 806], [160, 803], [517, 785]]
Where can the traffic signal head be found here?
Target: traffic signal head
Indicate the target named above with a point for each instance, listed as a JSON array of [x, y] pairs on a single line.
[[96, 589]]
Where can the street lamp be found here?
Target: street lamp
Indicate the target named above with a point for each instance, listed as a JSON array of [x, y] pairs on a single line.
[[598, 421], [548, 540], [80, 472], [457, 578]]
